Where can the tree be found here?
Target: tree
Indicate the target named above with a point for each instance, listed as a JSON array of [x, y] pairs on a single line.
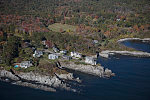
[[10, 49]]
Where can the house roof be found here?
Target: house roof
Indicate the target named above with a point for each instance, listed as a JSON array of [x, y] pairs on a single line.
[[90, 58], [25, 61]]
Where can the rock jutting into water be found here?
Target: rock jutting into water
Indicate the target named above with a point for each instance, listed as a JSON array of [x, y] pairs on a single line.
[[126, 39], [36, 80], [89, 69], [107, 53]]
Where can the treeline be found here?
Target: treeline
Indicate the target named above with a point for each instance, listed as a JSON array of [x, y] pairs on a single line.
[[76, 11], [111, 17], [102, 19]]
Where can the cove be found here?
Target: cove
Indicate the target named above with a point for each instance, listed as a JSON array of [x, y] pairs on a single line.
[[138, 45]]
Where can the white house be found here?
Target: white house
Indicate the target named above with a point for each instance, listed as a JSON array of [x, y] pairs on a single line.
[[53, 56], [44, 42], [55, 49], [63, 51], [66, 57], [76, 54], [90, 60], [118, 19], [37, 53], [95, 41], [25, 64]]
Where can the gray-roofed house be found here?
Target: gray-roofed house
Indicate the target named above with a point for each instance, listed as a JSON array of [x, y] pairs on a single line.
[[76, 54], [37, 53], [25, 64], [66, 57], [55, 49], [63, 52], [95, 41], [52, 56], [90, 60]]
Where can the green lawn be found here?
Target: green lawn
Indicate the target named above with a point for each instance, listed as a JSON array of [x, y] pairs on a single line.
[[64, 27]]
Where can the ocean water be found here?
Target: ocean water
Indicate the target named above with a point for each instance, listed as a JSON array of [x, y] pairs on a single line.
[[139, 45], [132, 82]]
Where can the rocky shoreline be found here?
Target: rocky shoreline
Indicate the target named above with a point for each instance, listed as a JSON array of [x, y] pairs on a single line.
[[108, 53], [89, 69], [126, 39], [37, 81], [55, 82]]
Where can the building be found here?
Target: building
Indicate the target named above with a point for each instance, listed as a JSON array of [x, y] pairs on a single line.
[[66, 57], [90, 60], [52, 56], [76, 54], [44, 42], [118, 19], [25, 64], [37, 53], [63, 52], [55, 49], [95, 41]]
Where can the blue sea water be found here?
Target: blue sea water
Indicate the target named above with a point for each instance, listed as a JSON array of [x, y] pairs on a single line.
[[132, 82], [137, 44]]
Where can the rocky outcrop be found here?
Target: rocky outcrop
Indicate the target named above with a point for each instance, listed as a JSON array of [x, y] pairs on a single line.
[[68, 76], [4, 73], [36, 80], [36, 86], [104, 55], [107, 53], [108, 73], [89, 69]]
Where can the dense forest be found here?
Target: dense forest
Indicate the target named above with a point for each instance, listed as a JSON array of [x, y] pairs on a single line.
[[88, 20]]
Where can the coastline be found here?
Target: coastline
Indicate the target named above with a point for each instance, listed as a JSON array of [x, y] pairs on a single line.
[[96, 70], [37, 81], [126, 39], [56, 81], [108, 53]]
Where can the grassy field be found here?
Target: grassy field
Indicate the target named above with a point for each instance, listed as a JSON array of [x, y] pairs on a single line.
[[58, 27]]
